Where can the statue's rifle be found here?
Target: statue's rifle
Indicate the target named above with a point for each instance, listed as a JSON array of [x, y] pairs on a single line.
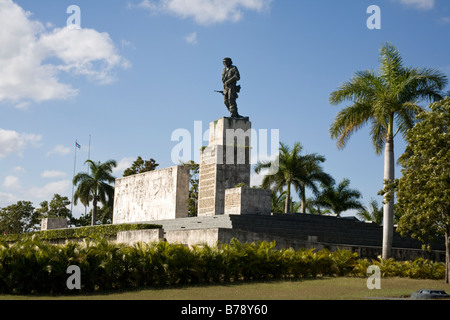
[[219, 92]]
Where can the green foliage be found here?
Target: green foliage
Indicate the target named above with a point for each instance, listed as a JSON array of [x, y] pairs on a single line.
[[32, 266], [194, 169], [339, 198], [384, 98], [294, 170], [77, 233], [375, 214], [18, 218], [57, 208], [424, 188], [95, 186], [140, 166]]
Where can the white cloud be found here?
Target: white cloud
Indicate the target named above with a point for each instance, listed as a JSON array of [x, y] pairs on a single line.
[[191, 38], [19, 169], [31, 58], [14, 142], [122, 165], [60, 150], [206, 12], [7, 199], [11, 183], [84, 52], [419, 4], [444, 20], [50, 174], [62, 187]]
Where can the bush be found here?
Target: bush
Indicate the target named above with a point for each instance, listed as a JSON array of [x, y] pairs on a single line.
[[106, 230], [33, 266]]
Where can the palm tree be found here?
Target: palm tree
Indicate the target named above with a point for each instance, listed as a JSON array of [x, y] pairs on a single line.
[[311, 175], [339, 198], [385, 99], [294, 170], [95, 186], [374, 214]]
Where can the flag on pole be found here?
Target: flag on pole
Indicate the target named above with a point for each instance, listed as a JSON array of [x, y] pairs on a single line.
[[77, 145]]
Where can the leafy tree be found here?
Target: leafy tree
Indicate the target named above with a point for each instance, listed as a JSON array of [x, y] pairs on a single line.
[[193, 187], [424, 188], [383, 100], [339, 198], [299, 171], [96, 186], [57, 208], [140, 166], [18, 218]]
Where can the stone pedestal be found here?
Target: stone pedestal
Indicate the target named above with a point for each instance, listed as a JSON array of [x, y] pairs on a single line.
[[53, 223], [151, 196], [223, 164], [242, 201]]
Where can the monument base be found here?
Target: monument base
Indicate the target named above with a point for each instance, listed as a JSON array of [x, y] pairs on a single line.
[[247, 201], [224, 164]]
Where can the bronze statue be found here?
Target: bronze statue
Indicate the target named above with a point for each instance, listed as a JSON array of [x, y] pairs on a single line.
[[230, 77]]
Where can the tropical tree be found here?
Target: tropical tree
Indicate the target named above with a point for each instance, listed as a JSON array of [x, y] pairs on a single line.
[[424, 188], [18, 218], [194, 171], [315, 208], [140, 166], [312, 175], [57, 208], [385, 99], [95, 186], [339, 198], [294, 170], [374, 213]]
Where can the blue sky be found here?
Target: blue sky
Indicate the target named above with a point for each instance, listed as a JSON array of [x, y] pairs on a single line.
[[139, 70]]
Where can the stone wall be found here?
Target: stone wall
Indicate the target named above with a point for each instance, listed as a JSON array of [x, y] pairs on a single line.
[[212, 236], [152, 196], [53, 223], [248, 201]]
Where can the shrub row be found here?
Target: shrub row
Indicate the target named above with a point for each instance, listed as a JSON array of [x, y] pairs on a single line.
[[106, 230], [31, 266]]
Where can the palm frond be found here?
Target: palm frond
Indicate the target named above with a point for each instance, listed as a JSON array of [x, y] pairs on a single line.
[[350, 120]]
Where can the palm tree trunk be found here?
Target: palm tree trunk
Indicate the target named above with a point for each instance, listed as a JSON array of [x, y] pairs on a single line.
[[94, 211], [287, 205], [388, 209], [303, 199]]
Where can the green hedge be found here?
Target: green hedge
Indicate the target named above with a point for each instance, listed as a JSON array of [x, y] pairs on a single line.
[[31, 266], [107, 230]]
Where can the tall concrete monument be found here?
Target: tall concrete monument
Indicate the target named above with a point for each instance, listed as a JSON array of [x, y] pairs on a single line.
[[224, 164]]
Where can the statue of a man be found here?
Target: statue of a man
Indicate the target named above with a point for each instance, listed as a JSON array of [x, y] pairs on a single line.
[[230, 77]]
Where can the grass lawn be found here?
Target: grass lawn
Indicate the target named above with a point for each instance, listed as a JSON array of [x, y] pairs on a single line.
[[343, 288]]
